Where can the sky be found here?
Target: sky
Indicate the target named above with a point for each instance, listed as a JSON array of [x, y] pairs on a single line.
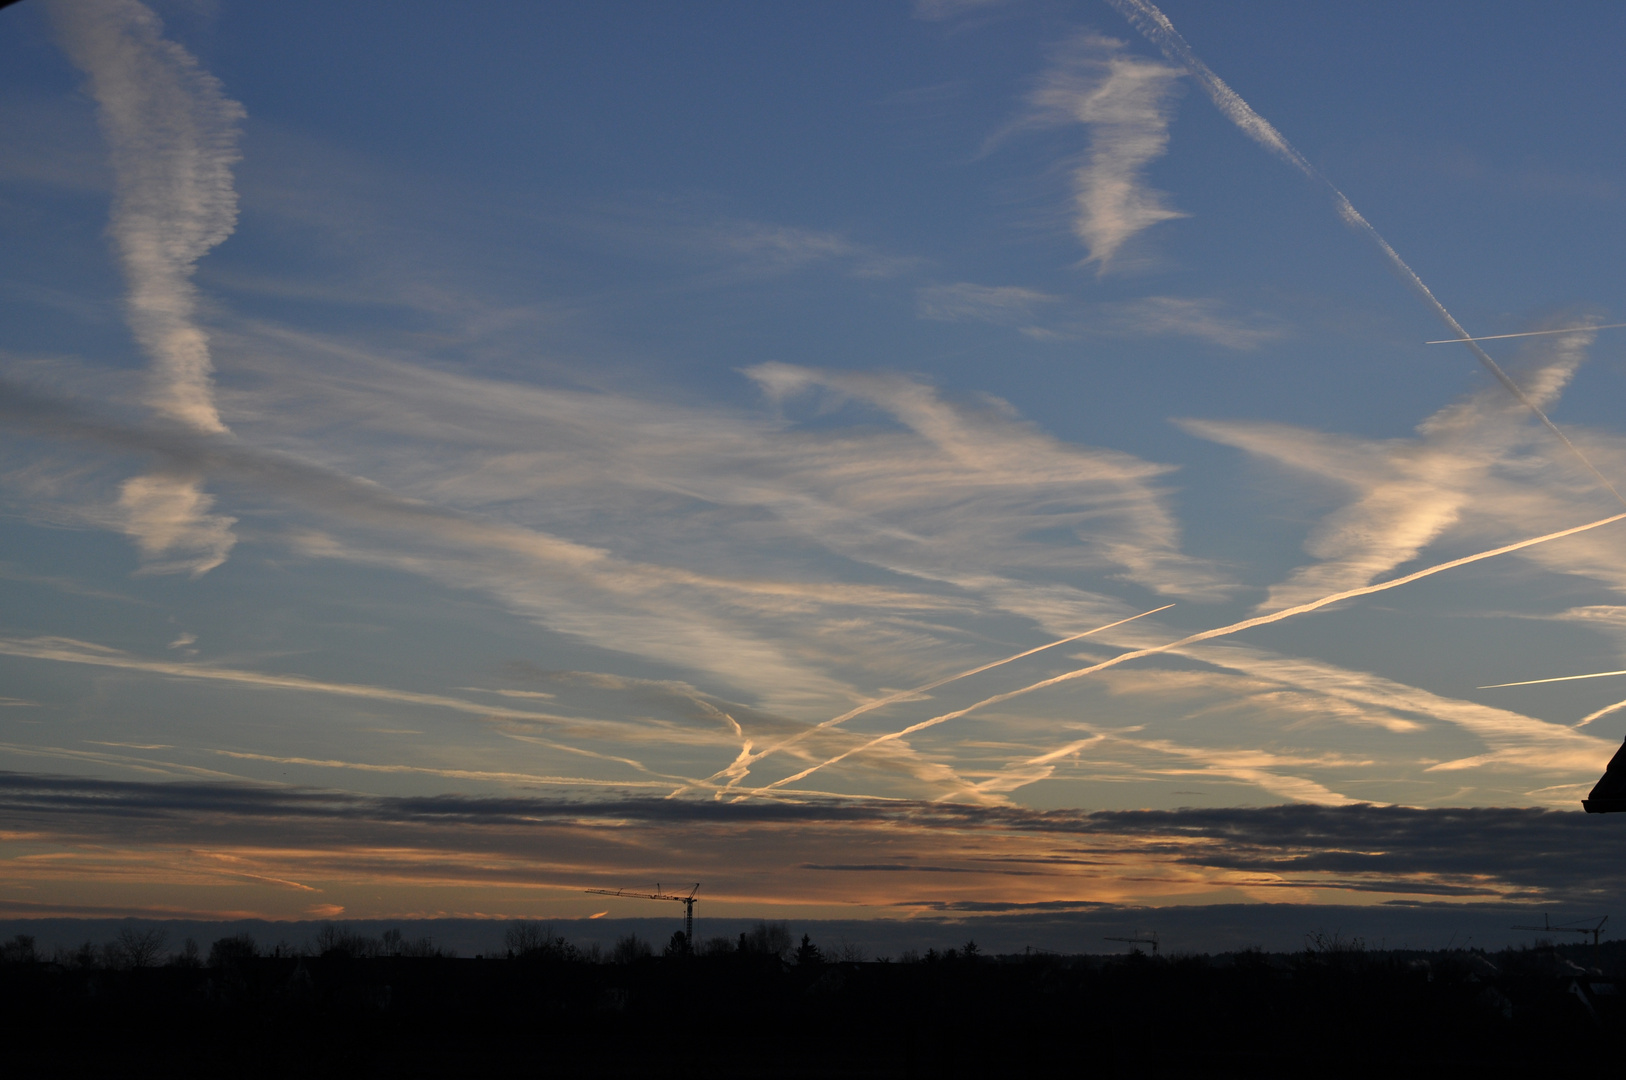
[[869, 459]]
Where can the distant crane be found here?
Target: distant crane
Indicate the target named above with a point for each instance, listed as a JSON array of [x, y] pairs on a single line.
[[1547, 927], [686, 901], [1152, 941]]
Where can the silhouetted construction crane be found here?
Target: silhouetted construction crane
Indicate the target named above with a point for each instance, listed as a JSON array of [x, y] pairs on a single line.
[[1137, 940], [1547, 927], [686, 901]]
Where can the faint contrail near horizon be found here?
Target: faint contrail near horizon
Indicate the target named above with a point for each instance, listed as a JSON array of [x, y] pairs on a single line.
[[1527, 333], [1245, 624], [67, 650], [1560, 678], [453, 774], [741, 766], [1156, 27]]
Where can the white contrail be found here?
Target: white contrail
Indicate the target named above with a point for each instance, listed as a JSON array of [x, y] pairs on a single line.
[[741, 766], [1245, 624], [65, 650], [1528, 333], [1560, 678], [1605, 711], [453, 774], [1157, 28]]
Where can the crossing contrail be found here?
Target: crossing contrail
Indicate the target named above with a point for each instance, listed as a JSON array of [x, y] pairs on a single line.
[[1223, 631], [1605, 711], [1527, 333], [741, 766], [1156, 27], [1560, 678]]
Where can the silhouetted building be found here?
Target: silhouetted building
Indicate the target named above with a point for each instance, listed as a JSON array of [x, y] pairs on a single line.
[[1609, 793]]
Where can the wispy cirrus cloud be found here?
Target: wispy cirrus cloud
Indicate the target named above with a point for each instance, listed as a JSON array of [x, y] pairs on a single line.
[[826, 558], [1156, 26], [949, 502], [785, 248], [1204, 318], [1204, 636], [938, 10], [1125, 102], [70, 651], [1475, 468], [964, 301], [719, 248], [172, 137], [674, 717], [1235, 717], [1513, 740], [1049, 317], [930, 508], [169, 518], [1279, 774]]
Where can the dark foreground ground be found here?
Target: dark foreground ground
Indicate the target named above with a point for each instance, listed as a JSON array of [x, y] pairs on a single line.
[[1327, 1013]]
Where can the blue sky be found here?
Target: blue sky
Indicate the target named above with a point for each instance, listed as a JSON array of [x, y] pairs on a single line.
[[593, 403]]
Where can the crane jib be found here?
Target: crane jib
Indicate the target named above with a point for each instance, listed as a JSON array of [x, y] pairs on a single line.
[[686, 901]]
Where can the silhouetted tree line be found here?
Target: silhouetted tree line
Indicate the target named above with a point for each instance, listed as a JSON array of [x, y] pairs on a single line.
[[344, 1002], [135, 948], [130, 948]]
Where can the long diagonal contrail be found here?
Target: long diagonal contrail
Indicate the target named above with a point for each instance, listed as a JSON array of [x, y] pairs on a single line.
[[1589, 717], [738, 769], [1529, 333], [1157, 28], [1245, 624], [1560, 678]]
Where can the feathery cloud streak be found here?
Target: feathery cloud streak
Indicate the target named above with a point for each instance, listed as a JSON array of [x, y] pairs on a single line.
[[740, 768], [1185, 316], [1472, 464], [1206, 635], [1125, 102], [965, 301], [172, 138], [1515, 740], [66, 650], [944, 503], [938, 10], [1203, 318], [527, 442]]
